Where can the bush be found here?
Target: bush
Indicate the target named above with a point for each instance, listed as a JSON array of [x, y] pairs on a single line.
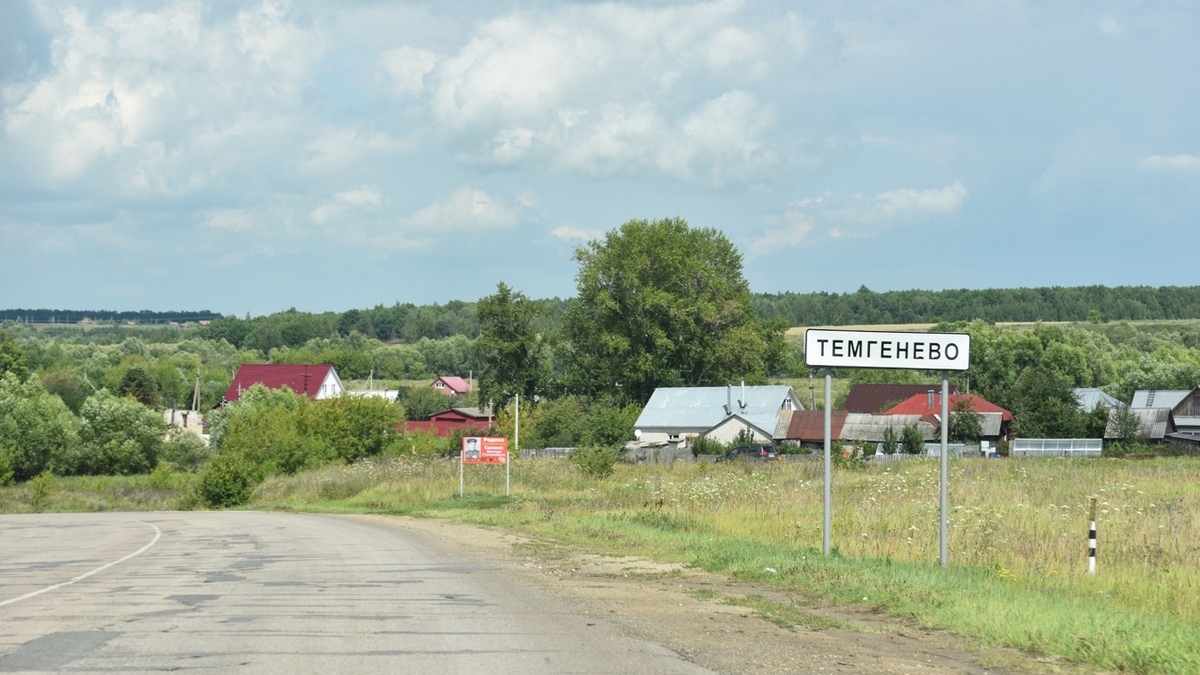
[[703, 445], [595, 461], [118, 436], [35, 426], [890, 442], [911, 441], [227, 481], [185, 450]]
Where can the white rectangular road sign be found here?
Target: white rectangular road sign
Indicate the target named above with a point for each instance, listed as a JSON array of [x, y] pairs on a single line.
[[880, 349]]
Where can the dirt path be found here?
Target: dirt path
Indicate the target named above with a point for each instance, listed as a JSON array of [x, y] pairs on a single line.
[[724, 625]]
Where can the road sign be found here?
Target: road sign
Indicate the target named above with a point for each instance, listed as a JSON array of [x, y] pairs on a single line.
[[879, 349]]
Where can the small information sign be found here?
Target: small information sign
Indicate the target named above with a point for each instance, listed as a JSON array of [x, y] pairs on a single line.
[[485, 450]]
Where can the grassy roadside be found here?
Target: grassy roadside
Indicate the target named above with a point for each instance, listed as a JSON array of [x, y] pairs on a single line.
[[1017, 576]]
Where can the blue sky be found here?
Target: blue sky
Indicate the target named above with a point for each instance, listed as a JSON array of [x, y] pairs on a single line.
[[251, 157]]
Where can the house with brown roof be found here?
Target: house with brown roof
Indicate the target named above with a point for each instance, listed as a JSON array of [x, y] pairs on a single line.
[[875, 398], [315, 380]]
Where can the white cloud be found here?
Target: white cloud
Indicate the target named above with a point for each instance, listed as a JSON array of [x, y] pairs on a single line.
[[1170, 163], [160, 101], [465, 209], [229, 219], [859, 216], [797, 225], [609, 89], [907, 202], [571, 232], [407, 67], [365, 198], [1110, 26]]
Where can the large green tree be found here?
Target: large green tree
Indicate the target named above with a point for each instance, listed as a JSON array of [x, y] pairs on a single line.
[[510, 348], [34, 426], [12, 358], [664, 304]]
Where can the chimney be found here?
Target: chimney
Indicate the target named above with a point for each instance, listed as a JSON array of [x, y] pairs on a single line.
[[930, 400], [728, 399]]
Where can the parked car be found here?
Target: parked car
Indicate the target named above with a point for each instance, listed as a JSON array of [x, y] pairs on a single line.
[[754, 451]]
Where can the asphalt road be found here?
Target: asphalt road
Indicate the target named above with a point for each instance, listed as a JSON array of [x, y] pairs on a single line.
[[280, 593]]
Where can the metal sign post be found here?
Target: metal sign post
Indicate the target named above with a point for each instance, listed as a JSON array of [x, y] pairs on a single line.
[[945, 464], [828, 459], [829, 348]]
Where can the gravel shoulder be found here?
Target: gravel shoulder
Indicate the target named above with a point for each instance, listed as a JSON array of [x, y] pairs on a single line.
[[722, 624]]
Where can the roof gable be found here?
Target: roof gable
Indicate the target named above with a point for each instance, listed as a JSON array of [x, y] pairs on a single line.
[[921, 404], [453, 383], [304, 378], [1158, 398], [875, 398], [809, 425]]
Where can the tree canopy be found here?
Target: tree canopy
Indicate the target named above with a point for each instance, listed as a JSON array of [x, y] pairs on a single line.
[[664, 304], [510, 348]]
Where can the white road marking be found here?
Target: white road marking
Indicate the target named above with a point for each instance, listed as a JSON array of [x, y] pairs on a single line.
[[81, 577]]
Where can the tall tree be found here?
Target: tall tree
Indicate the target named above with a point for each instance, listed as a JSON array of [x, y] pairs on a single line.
[[663, 304], [12, 359], [510, 349]]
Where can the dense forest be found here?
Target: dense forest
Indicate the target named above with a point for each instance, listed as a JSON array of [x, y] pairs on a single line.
[[409, 323], [1082, 303]]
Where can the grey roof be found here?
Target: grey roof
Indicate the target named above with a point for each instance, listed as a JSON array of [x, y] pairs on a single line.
[[990, 423], [1156, 422], [1090, 397], [1158, 398], [868, 427], [682, 409]]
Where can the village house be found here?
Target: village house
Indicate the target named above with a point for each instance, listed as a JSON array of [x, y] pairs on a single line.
[[316, 381]]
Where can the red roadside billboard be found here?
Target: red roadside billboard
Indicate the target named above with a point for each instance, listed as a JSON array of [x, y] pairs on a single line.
[[485, 450]]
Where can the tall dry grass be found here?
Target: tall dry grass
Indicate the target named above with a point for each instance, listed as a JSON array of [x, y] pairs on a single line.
[[1024, 521]]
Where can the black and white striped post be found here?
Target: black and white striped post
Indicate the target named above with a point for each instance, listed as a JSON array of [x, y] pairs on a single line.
[[1092, 538]]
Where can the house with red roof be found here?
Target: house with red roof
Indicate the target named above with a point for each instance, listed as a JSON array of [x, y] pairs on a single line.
[[451, 385], [994, 420], [316, 381], [446, 422]]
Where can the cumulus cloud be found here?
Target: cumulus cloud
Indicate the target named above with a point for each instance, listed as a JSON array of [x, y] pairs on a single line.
[[406, 68], [612, 89], [168, 97], [859, 216], [365, 198], [465, 209], [1170, 163], [797, 225]]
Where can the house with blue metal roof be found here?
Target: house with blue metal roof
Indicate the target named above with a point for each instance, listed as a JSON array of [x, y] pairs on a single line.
[[674, 413]]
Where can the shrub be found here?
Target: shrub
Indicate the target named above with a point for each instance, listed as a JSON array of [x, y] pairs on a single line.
[[34, 427], [703, 445], [911, 441], [890, 442], [118, 436], [595, 461], [185, 450], [227, 481]]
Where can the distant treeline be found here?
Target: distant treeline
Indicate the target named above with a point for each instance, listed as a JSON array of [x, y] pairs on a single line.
[[1081, 303], [144, 317], [409, 323]]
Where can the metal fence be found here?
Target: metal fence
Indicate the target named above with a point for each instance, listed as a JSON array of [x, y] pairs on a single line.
[[1055, 447]]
